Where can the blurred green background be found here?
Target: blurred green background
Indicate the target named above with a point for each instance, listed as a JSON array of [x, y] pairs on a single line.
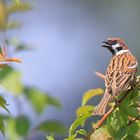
[[59, 43]]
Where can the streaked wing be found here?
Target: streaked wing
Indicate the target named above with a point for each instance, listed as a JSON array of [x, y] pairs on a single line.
[[109, 81], [121, 73], [123, 83]]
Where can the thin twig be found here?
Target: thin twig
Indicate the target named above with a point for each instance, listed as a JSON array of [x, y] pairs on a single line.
[[102, 76], [103, 118], [99, 123], [131, 122]]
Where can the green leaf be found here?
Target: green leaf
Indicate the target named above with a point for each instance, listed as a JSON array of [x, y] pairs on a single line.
[[117, 124], [3, 15], [49, 138], [136, 99], [78, 122], [2, 127], [54, 102], [79, 139], [52, 126], [22, 125], [3, 104], [37, 98], [40, 99], [72, 137], [21, 7], [80, 131], [13, 25], [4, 117], [17, 127], [22, 47], [133, 129], [12, 81], [131, 137], [10, 130], [90, 94], [17, 1], [100, 134], [82, 110], [127, 106], [18, 45], [6, 71], [132, 111]]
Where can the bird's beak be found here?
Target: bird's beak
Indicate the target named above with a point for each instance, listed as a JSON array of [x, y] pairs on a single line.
[[106, 44]]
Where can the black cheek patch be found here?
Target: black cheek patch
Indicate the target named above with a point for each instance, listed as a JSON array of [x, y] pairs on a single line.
[[111, 50], [119, 48]]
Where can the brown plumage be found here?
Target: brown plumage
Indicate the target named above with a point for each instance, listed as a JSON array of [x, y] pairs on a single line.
[[120, 73]]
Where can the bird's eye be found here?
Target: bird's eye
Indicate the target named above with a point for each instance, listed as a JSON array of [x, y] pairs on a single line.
[[114, 42], [119, 48]]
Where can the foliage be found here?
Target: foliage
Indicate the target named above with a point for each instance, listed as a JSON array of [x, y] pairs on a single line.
[[41, 96], [52, 126], [20, 126], [91, 93], [121, 124], [49, 138]]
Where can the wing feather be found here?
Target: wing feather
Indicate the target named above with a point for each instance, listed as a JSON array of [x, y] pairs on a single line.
[[120, 73]]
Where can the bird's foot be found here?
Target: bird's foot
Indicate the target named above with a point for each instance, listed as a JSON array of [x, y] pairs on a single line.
[[117, 102]]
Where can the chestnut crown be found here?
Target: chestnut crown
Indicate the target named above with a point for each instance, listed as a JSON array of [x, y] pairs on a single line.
[[115, 45]]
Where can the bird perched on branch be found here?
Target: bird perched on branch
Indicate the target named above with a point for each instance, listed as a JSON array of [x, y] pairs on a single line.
[[120, 74]]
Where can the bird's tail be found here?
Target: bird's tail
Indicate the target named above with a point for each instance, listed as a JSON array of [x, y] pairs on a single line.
[[101, 107]]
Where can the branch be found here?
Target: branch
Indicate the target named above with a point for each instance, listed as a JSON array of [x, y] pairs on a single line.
[[102, 76], [106, 115], [101, 121], [137, 118]]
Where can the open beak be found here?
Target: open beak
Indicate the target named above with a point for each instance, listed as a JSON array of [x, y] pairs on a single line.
[[106, 44]]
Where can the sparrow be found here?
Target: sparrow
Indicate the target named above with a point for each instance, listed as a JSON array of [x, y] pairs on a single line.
[[120, 74]]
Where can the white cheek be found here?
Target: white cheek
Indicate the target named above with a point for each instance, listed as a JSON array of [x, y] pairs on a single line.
[[116, 45], [122, 51]]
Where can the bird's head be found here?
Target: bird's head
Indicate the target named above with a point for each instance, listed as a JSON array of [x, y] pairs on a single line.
[[115, 45]]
